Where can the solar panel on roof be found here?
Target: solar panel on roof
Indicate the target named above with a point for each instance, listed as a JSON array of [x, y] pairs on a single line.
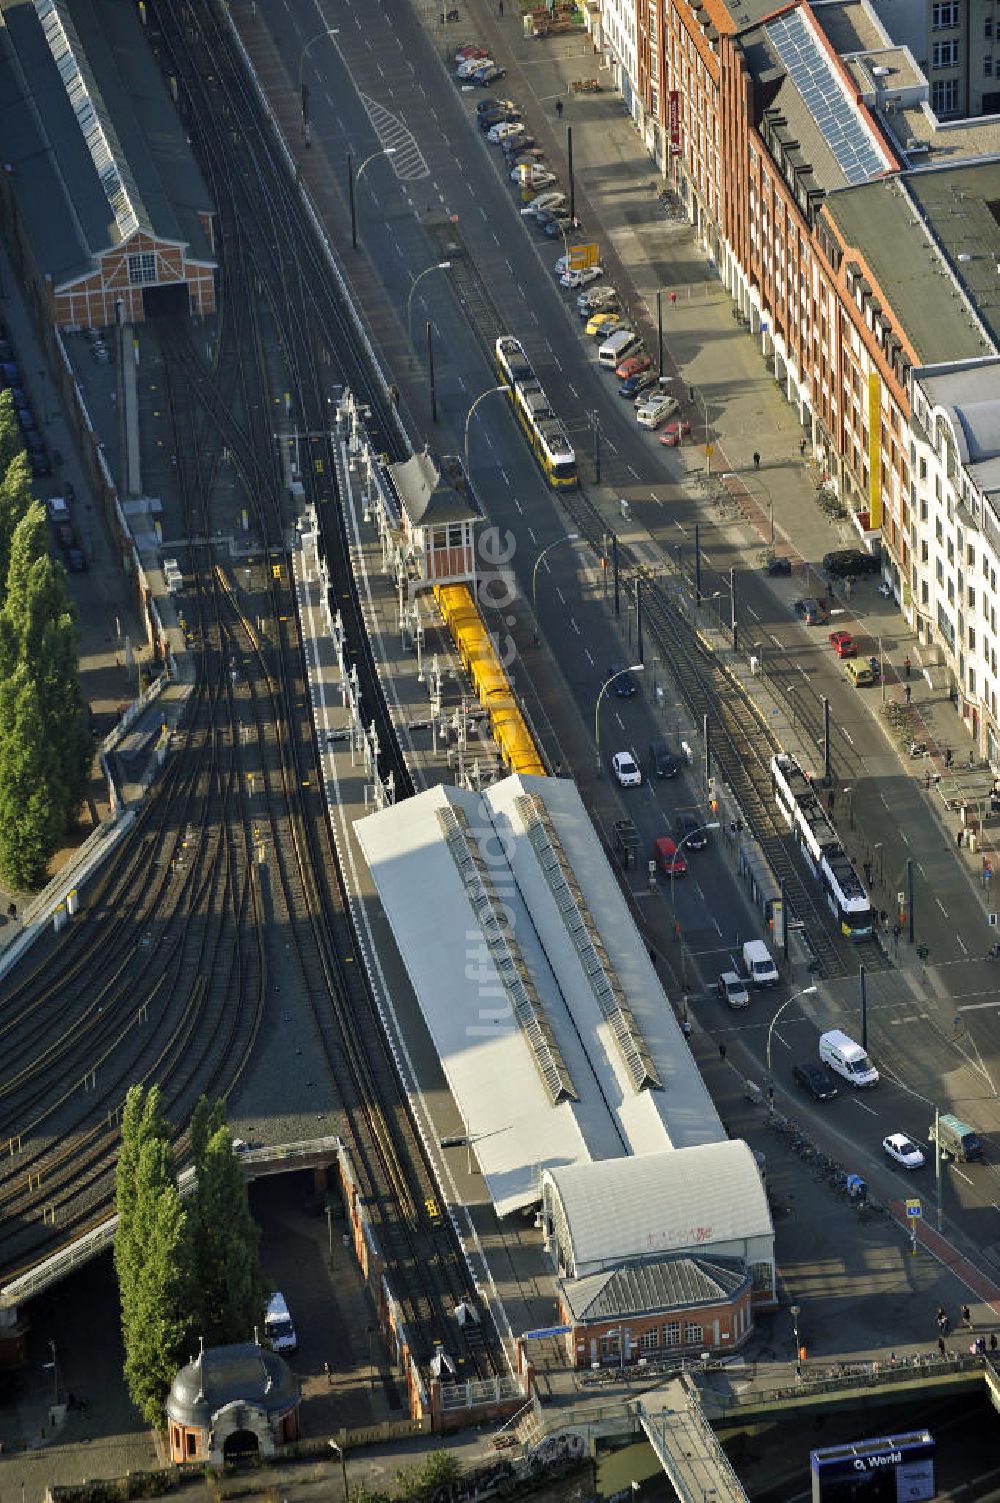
[[813, 75]]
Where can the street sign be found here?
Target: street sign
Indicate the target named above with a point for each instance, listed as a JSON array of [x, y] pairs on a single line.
[[914, 1210], [582, 256]]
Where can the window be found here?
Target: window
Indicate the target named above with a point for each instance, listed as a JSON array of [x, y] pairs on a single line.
[[944, 15], [944, 96], [988, 67], [191, 1442], [141, 269], [649, 1340], [672, 1333], [945, 54], [456, 532], [988, 27], [692, 1334]]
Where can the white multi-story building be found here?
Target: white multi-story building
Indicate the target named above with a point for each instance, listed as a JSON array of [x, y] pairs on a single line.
[[955, 550]]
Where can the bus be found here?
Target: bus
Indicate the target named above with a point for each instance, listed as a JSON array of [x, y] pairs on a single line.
[[821, 850], [542, 428]]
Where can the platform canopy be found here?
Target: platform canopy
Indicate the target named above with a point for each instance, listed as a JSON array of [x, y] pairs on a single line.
[[554, 1033]]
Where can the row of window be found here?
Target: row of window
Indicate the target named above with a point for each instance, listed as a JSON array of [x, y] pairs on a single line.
[[666, 1336]]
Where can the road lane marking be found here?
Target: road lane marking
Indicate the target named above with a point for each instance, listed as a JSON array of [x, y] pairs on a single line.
[[941, 906], [869, 1109], [562, 597], [619, 720], [574, 625], [586, 653]]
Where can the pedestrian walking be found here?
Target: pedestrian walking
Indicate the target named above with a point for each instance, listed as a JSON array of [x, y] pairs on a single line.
[[500, 10], [993, 1341], [868, 873], [927, 782], [831, 799], [722, 1052], [906, 665], [756, 460], [559, 109], [980, 1346], [972, 759], [803, 445], [941, 1346], [966, 1318], [907, 694]]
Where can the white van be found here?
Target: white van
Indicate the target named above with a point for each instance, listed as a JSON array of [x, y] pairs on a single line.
[[652, 414], [847, 1058], [621, 344], [279, 1333], [758, 964]]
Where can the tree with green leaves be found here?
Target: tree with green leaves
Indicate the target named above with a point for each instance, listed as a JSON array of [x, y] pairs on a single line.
[[15, 502], [33, 808], [232, 1294], [153, 1255], [11, 442]]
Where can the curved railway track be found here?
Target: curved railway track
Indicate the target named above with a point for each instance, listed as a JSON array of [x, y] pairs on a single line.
[[166, 979]]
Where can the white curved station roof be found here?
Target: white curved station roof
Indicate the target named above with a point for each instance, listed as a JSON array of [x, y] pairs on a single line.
[[660, 1203], [546, 1012]]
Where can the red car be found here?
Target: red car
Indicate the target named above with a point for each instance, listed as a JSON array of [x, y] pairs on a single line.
[[469, 51], [843, 644], [633, 366], [668, 858], [674, 432]]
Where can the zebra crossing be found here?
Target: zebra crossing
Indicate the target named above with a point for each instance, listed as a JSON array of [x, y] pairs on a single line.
[[408, 160]]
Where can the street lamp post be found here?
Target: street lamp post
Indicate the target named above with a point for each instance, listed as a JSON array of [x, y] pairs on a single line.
[[571, 537], [712, 825], [468, 417], [329, 31], [339, 1451], [354, 178], [438, 266], [633, 668], [807, 991], [795, 1311]]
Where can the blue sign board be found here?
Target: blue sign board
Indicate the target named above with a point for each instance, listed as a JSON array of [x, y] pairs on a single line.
[[892, 1469]]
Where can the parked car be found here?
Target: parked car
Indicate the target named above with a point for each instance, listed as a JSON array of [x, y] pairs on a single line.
[[533, 175], [810, 611], [470, 65], [518, 147], [483, 105], [674, 432], [815, 1079], [601, 324], [559, 222], [636, 386], [65, 536], [582, 277], [655, 410], [778, 566], [661, 759], [10, 374], [504, 130], [489, 118], [845, 562], [75, 561], [903, 1151], [41, 465], [597, 300], [56, 510], [690, 829], [487, 77], [633, 365], [543, 202], [626, 770], [469, 51]]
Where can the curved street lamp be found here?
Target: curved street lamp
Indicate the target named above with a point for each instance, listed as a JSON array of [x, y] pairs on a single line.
[[807, 991], [468, 416], [713, 824], [571, 537], [353, 178], [632, 668], [329, 31], [438, 266]]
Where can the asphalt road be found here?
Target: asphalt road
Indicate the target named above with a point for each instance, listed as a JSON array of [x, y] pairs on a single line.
[[934, 1030]]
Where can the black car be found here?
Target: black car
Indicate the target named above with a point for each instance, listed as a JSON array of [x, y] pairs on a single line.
[[816, 1080], [633, 386], [495, 104], [41, 465], [691, 830], [624, 685], [811, 611], [778, 567], [662, 759], [846, 562], [560, 222], [75, 561], [491, 117]]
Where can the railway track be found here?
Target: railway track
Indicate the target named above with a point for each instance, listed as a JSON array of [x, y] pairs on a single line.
[[742, 744]]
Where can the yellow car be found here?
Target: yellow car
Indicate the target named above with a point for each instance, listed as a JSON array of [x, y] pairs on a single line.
[[604, 323]]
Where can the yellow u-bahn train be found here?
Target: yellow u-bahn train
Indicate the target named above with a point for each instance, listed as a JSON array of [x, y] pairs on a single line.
[[543, 430], [479, 657]]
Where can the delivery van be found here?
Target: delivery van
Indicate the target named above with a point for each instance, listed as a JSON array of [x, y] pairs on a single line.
[[956, 1139], [656, 411], [758, 964], [859, 672], [847, 1058], [622, 342], [279, 1333]]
